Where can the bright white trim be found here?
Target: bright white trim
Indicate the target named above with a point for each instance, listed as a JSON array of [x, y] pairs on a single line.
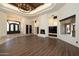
[[9, 6], [42, 7]]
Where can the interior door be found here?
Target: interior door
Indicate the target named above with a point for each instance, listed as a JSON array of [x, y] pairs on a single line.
[[30, 29], [27, 29], [37, 30]]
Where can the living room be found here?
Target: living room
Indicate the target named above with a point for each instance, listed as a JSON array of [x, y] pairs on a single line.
[[54, 25]]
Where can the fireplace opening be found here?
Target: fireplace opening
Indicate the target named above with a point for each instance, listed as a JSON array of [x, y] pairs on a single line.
[[42, 31]]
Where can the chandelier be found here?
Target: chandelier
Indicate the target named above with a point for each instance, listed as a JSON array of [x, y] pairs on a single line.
[[23, 7]]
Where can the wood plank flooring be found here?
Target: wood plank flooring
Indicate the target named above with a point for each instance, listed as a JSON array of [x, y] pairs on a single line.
[[37, 46]]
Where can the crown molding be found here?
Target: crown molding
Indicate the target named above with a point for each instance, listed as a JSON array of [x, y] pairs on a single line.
[[42, 11]]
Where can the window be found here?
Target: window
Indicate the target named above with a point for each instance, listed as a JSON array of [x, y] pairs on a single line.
[[68, 28], [13, 27], [16, 27]]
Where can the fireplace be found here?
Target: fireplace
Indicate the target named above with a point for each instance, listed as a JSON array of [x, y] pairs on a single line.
[[42, 31]]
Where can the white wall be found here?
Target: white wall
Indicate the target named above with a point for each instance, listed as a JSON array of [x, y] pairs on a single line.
[[3, 24], [52, 22], [43, 24], [10, 16], [67, 10], [25, 21], [34, 25], [64, 12]]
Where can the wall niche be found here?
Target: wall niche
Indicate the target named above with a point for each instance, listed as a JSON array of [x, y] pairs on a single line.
[[67, 25]]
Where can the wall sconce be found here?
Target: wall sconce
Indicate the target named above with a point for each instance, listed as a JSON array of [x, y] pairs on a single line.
[[55, 17], [36, 23]]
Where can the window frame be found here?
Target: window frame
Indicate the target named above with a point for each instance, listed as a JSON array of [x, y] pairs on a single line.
[[13, 32]]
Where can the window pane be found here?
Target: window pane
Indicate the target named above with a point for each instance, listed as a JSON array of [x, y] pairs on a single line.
[[16, 27], [12, 27], [68, 29]]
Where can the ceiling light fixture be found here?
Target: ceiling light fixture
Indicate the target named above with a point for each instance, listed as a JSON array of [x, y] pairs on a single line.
[[26, 7]]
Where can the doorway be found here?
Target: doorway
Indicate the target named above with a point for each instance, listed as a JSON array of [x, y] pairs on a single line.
[[28, 29]]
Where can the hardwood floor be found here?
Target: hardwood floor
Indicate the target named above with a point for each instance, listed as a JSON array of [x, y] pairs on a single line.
[[37, 46]]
